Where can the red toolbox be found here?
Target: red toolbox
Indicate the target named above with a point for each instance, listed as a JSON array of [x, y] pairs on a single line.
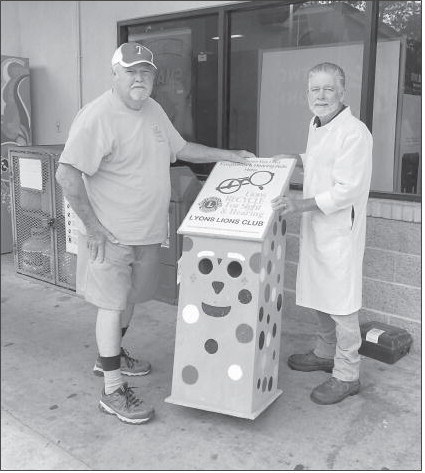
[[384, 342]]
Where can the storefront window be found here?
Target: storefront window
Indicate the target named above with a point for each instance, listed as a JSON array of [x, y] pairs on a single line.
[[267, 50], [185, 51], [272, 51], [398, 159]]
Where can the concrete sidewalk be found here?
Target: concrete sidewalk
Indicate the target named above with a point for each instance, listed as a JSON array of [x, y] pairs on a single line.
[[49, 397]]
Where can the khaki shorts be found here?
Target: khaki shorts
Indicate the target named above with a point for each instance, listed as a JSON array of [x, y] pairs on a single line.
[[128, 274]]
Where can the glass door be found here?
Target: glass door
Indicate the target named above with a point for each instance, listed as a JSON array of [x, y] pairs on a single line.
[[186, 53]]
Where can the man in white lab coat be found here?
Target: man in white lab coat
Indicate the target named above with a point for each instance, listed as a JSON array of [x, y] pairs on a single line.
[[337, 173]]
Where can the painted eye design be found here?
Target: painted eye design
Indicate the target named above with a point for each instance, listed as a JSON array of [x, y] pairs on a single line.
[[234, 269], [205, 266]]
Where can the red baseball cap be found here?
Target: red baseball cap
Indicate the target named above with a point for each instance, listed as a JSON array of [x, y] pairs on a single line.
[[129, 54]]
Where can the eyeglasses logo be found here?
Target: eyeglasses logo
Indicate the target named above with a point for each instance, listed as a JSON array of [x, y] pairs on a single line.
[[258, 179]]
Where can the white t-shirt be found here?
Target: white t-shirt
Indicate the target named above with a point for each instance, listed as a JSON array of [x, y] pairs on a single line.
[[125, 157]]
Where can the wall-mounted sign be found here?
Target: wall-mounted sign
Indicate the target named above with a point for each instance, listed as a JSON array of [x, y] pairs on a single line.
[[235, 200], [30, 174]]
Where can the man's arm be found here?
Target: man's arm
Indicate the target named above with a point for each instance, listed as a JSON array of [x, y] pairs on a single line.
[[284, 204], [351, 172], [197, 153], [73, 188]]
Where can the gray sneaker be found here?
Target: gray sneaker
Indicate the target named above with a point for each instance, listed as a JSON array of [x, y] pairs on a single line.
[[124, 404], [310, 362], [334, 390], [129, 366]]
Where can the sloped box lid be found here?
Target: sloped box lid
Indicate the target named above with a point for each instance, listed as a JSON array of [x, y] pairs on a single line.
[[235, 200]]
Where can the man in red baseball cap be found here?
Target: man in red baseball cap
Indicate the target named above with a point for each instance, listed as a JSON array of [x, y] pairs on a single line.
[[114, 171]]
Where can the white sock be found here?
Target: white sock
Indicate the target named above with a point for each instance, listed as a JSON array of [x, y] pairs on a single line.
[[113, 380]]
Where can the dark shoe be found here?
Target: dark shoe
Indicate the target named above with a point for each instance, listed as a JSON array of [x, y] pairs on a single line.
[[129, 365], [310, 362], [334, 390], [124, 404]]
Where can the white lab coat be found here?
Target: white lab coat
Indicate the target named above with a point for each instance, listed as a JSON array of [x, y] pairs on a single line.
[[337, 173]]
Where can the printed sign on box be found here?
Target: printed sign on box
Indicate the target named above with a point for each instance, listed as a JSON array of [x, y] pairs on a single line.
[[235, 200]]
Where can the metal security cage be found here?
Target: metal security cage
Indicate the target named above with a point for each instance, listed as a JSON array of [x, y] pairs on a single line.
[[38, 216]]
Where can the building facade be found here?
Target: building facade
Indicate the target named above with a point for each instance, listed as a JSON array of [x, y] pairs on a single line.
[[233, 74]]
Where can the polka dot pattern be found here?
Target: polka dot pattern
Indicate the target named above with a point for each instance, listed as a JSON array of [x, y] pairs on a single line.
[[235, 372], [211, 346], [279, 302], [279, 252], [190, 314], [255, 262], [254, 289], [244, 333], [269, 267], [261, 314], [190, 374], [269, 315], [261, 340], [267, 292], [187, 243], [244, 296], [268, 339]]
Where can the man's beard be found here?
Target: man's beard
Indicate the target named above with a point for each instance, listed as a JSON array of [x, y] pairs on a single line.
[[326, 111], [139, 94]]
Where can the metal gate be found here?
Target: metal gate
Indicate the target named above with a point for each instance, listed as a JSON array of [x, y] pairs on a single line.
[[38, 216]]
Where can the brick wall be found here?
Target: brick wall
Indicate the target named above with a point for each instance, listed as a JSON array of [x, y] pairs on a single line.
[[391, 277]]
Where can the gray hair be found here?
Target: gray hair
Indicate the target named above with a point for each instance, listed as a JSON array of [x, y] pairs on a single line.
[[329, 67]]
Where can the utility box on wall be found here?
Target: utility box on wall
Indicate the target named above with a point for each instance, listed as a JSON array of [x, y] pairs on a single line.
[[38, 216], [185, 186], [231, 296]]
